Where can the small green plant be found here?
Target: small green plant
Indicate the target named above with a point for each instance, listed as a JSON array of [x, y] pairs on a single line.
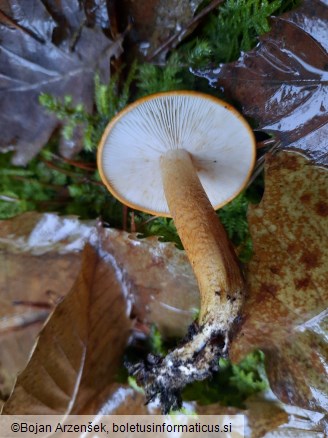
[[109, 99], [199, 52], [51, 183], [234, 218], [233, 28], [26, 189], [238, 24], [134, 385], [162, 227], [232, 384], [157, 345], [154, 79]]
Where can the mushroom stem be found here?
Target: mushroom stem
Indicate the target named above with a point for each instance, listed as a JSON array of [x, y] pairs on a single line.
[[208, 248], [220, 281]]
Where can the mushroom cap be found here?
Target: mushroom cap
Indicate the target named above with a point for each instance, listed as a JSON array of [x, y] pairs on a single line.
[[218, 138]]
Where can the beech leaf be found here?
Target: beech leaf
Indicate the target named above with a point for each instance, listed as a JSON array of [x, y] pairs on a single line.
[[283, 83], [286, 313], [46, 47], [39, 262], [41, 252], [266, 417], [264, 414], [80, 348], [155, 21], [165, 291]]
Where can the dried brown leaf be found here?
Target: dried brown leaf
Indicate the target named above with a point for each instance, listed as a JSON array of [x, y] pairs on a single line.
[[264, 414], [80, 348], [120, 399], [41, 252], [266, 417], [46, 47], [164, 287], [285, 314], [283, 83], [39, 263], [155, 21]]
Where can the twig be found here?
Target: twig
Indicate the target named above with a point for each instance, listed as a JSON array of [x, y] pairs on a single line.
[[37, 304], [90, 167], [173, 40], [260, 162], [81, 178], [266, 143], [133, 228], [125, 218], [59, 169], [20, 321], [149, 220]]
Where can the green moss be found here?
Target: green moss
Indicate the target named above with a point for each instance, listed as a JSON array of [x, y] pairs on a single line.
[[157, 345], [162, 227], [109, 99], [154, 79], [25, 189], [49, 183], [234, 27], [232, 384]]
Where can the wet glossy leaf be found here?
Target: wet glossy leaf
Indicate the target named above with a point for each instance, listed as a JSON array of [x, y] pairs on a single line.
[[283, 83], [38, 248], [264, 414], [46, 47], [39, 262], [80, 348], [41, 253], [286, 312], [121, 399], [155, 21], [266, 417], [164, 287]]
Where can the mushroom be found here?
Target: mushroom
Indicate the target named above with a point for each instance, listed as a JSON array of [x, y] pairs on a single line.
[[183, 155]]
